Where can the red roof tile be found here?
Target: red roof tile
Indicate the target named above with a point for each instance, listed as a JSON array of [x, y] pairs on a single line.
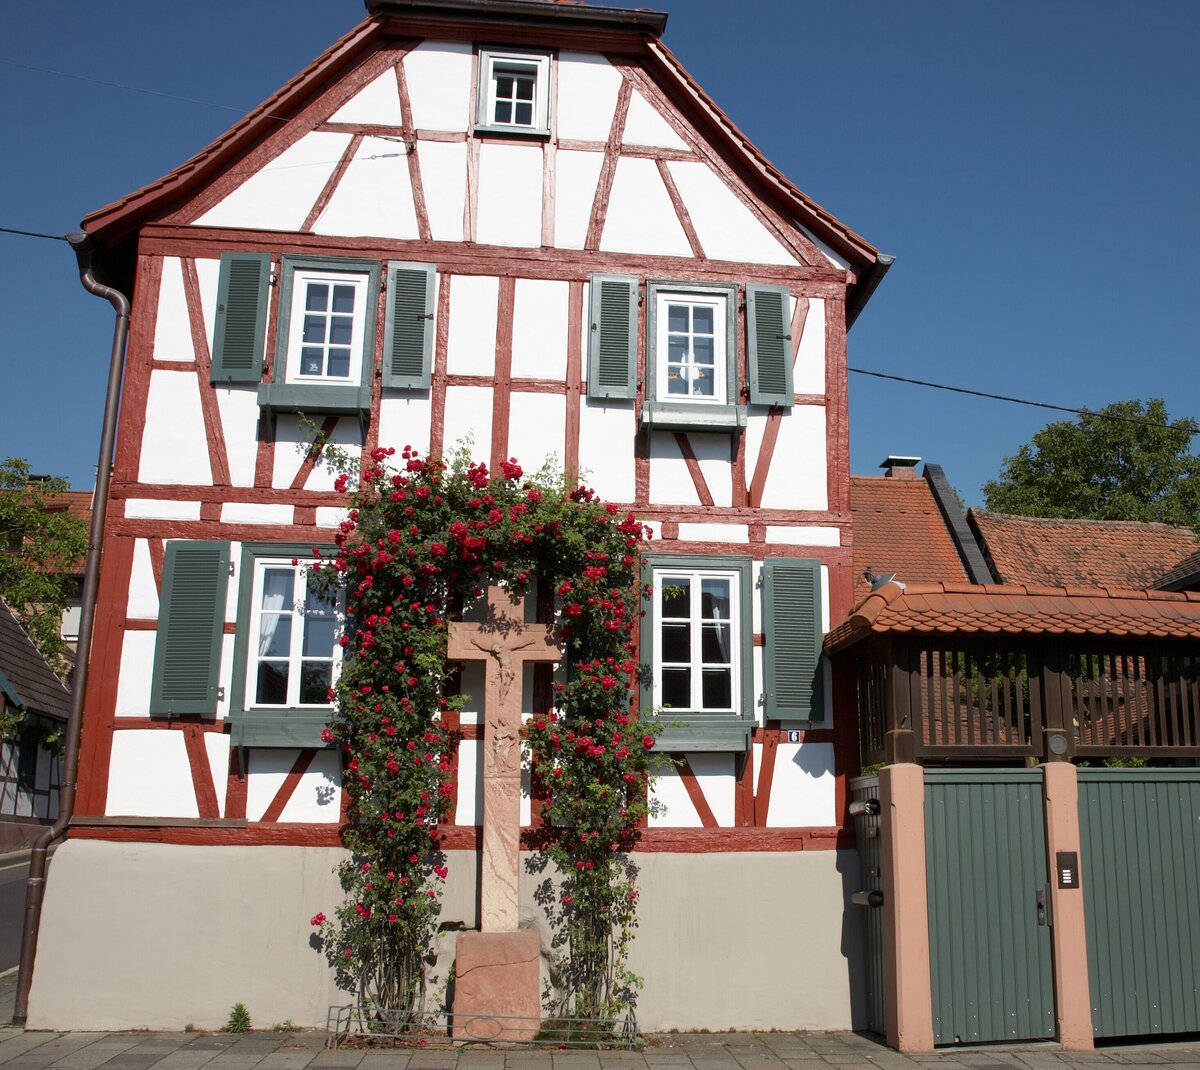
[[1021, 609], [1091, 553], [898, 528]]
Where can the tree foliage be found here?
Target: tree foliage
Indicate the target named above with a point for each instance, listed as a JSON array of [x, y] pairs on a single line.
[[1128, 461], [41, 545]]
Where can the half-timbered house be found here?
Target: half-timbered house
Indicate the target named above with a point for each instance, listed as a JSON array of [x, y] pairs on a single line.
[[521, 225]]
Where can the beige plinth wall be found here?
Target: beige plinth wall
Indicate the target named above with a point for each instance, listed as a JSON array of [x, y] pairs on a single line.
[[160, 936], [905, 908], [1068, 932]]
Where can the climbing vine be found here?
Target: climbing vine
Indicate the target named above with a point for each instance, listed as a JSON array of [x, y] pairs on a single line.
[[422, 541]]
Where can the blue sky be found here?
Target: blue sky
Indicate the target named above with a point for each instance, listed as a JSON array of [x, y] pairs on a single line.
[[1032, 166]]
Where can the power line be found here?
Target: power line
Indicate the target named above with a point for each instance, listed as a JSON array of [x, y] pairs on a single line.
[[1024, 401], [31, 234]]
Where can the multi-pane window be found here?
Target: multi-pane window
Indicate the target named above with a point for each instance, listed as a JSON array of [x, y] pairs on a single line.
[[691, 355], [294, 632], [696, 657], [326, 327], [514, 92]]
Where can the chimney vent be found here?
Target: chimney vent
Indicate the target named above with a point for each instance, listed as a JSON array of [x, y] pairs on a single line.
[[897, 467]]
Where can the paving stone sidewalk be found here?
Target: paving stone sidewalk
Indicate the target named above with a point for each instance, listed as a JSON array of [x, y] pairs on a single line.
[[685, 1051]]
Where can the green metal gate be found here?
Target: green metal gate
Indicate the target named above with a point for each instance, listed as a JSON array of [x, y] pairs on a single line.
[[866, 836], [989, 935], [1140, 841]]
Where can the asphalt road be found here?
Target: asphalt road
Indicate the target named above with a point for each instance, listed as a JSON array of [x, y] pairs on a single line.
[[12, 910]]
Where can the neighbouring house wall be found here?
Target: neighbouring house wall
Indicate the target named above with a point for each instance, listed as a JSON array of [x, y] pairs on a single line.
[[746, 940]]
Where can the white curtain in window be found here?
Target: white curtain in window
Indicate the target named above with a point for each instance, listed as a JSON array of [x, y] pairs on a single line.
[[277, 590]]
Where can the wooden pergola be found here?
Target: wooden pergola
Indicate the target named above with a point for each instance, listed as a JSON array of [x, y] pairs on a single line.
[[973, 674]]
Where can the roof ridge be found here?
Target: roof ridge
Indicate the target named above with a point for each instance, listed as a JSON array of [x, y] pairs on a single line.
[[1082, 521]]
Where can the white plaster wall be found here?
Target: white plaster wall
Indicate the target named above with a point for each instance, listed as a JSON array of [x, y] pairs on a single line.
[[607, 434], [472, 682], [137, 667], [798, 474], [510, 195], [439, 85], [160, 509], [837, 261], [471, 345], [670, 481], [329, 516], [677, 809], [469, 418], [641, 217], [143, 592], [470, 784], [539, 348], [377, 102], [645, 126], [256, 513], [575, 177], [535, 429], [587, 96], [291, 447], [782, 535], [727, 229], [738, 534], [172, 330], [444, 182], [149, 775], [208, 273], [713, 453], [225, 669], [374, 196], [404, 420], [808, 373], [280, 196], [174, 445], [802, 791], [216, 746], [238, 406], [316, 798]]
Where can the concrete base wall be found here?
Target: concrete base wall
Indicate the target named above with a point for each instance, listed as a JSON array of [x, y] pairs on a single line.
[[161, 936]]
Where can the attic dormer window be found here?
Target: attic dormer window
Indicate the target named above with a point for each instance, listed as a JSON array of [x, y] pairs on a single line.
[[514, 92]]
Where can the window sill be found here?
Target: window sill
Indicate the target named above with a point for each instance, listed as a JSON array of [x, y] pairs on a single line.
[[278, 728], [521, 133], [681, 416], [314, 398], [723, 734]]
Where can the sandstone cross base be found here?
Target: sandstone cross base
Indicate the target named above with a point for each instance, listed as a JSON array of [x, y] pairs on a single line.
[[496, 970]]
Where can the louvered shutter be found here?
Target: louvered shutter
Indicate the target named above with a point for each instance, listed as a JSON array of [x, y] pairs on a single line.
[[792, 621], [191, 618], [612, 337], [408, 327], [769, 345], [241, 324]]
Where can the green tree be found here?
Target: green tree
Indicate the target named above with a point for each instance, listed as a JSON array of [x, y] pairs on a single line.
[[1128, 461], [41, 546]]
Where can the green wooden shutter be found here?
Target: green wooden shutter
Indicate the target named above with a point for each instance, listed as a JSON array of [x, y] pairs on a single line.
[[191, 619], [769, 345], [612, 337], [792, 621], [408, 327], [241, 324]]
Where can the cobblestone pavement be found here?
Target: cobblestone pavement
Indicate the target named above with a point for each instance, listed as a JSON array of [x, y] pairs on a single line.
[[691, 1051]]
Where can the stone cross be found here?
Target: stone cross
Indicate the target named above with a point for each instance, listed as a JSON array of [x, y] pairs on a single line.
[[504, 642]]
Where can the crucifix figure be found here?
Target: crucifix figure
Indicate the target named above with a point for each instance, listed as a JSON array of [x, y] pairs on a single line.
[[504, 643]]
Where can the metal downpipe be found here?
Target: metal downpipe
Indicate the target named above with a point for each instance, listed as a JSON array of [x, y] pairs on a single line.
[[36, 888]]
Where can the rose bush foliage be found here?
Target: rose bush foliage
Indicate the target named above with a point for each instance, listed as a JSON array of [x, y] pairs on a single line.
[[422, 541]]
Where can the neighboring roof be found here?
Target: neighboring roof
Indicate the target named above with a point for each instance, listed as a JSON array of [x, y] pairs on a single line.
[[115, 222], [1091, 553], [1019, 610], [1183, 576], [25, 678], [898, 528]]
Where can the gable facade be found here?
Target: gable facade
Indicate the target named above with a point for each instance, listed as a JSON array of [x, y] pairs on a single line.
[[526, 233]]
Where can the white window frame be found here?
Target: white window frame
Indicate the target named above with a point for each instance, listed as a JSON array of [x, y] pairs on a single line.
[[301, 277], [718, 302], [296, 657], [493, 62], [664, 576]]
